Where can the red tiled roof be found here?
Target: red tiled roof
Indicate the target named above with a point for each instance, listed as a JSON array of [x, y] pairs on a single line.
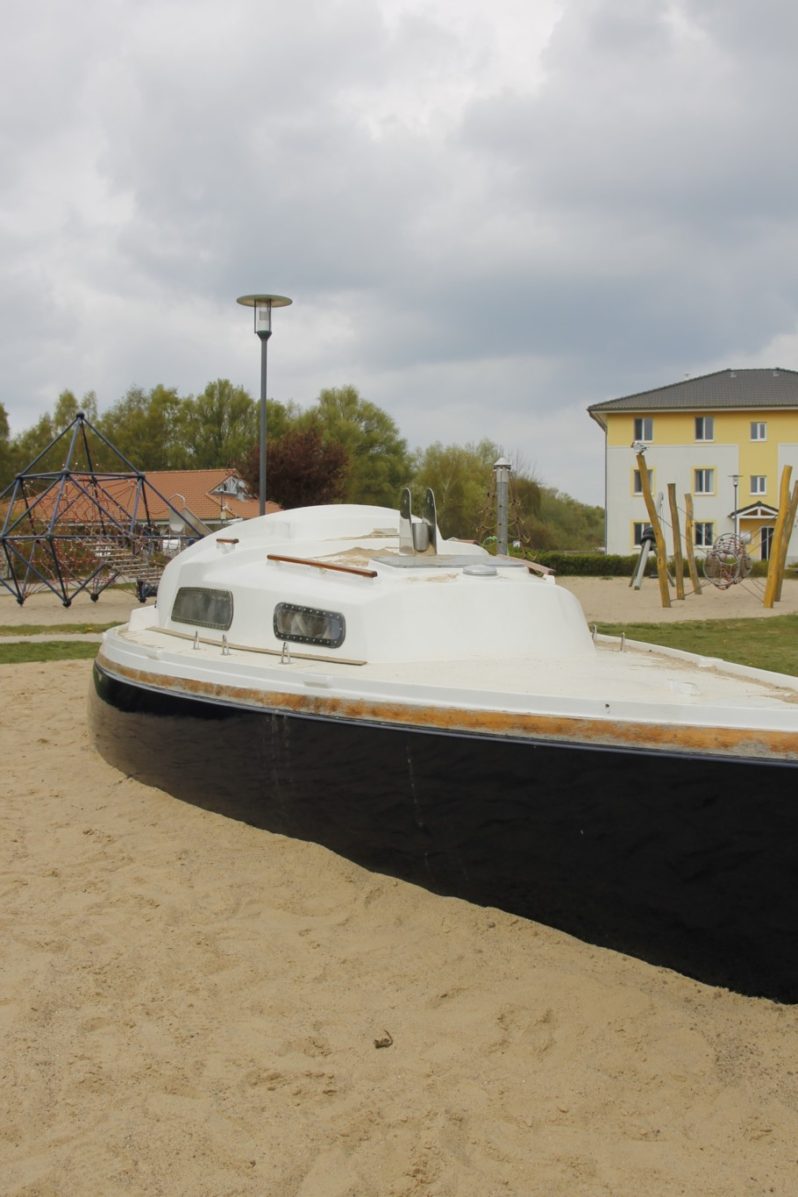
[[193, 488], [182, 488]]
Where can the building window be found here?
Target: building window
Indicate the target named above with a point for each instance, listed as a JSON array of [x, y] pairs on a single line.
[[759, 430], [644, 428], [641, 530], [637, 484], [705, 428], [704, 535], [758, 484], [704, 482]]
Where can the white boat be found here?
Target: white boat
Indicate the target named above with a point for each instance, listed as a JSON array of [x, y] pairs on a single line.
[[346, 675]]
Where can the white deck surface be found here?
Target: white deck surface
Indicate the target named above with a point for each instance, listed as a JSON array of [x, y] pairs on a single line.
[[428, 633]]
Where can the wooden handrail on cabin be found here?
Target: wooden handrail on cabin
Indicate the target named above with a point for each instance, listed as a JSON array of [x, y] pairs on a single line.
[[341, 569]]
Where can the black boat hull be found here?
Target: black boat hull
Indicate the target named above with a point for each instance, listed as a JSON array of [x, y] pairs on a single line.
[[683, 861]]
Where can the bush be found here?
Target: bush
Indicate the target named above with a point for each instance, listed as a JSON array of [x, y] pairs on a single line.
[[602, 565], [589, 565]]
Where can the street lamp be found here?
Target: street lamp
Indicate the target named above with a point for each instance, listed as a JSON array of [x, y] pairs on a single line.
[[736, 515], [262, 306]]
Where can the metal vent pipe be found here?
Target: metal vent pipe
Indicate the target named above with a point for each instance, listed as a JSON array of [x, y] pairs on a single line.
[[502, 470]]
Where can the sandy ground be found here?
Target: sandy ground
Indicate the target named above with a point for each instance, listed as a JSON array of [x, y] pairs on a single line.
[[190, 1006], [113, 606], [610, 600]]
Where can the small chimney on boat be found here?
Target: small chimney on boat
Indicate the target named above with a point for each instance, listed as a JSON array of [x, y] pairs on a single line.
[[502, 470]]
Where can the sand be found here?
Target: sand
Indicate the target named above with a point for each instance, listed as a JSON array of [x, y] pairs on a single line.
[[190, 1006], [612, 600]]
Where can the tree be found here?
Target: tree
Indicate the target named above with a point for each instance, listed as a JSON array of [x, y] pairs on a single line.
[[146, 428], [524, 522], [68, 407], [462, 478], [379, 463], [27, 446], [6, 456], [302, 469], [280, 419], [219, 427], [570, 524]]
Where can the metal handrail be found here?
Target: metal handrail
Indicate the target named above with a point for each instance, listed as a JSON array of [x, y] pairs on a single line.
[[253, 648]]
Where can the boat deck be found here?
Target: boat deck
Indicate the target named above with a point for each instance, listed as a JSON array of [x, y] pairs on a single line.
[[636, 681]]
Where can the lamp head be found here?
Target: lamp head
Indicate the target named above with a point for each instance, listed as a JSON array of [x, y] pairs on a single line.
[[262, 309]]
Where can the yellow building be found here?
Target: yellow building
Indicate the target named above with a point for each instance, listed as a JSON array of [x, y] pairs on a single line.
[[723, 438]]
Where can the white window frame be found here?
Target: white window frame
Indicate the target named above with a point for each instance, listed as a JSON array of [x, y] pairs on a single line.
[[759, 430], [704, 474], [759, 484], [644, 425], [637, 532], [704, 534], [705, 428]]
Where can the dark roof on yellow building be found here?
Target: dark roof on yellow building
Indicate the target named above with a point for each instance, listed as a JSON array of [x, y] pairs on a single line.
[[770, 388]]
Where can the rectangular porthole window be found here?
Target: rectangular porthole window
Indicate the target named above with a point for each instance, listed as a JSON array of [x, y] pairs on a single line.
[[644, 428], [203, 608], [705, 428], [308, 625], [759, 484], [759, 430]]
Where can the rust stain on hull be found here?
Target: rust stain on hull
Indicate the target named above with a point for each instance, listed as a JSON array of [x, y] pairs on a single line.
[[748, 743]]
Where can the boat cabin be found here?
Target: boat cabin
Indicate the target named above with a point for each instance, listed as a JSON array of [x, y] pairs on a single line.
[[346, 583]]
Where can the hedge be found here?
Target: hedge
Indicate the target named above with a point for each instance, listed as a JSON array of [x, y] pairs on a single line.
[[605, 565], [592, 565]]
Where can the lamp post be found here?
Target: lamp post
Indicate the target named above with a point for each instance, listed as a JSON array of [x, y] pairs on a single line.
[[262, 306], [736, 515]]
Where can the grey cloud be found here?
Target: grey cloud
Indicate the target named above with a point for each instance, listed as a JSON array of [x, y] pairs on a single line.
[[491, 256]]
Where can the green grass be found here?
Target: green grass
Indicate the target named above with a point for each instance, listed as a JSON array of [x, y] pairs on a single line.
[[54, 629], [762, 643], [16, 653]]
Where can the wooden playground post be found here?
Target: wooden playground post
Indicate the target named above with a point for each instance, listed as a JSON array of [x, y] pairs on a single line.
[[659, 539], [772, 586], [678, 562], [792, 511], [689, 543]]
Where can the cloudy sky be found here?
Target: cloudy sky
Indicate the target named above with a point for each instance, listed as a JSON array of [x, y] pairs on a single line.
[[488, 215]]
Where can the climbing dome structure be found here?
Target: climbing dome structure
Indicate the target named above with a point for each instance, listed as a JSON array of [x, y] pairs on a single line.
[[78, 518]]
